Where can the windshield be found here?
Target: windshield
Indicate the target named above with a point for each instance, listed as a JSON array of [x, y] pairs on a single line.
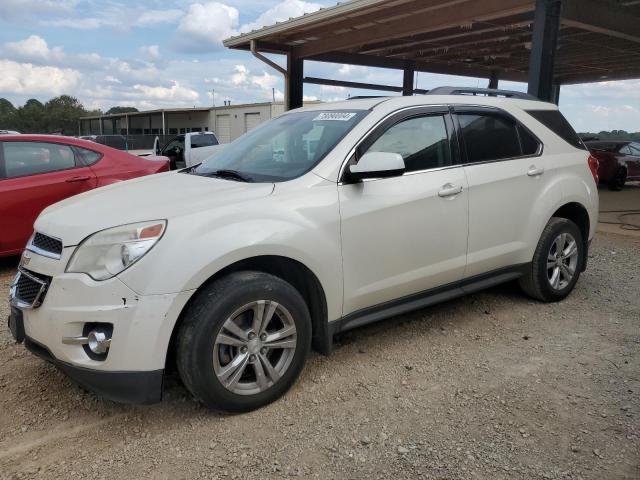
[[283, 148]]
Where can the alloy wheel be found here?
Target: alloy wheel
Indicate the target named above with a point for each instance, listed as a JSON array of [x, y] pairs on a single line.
[[562, 261], [254, 347]]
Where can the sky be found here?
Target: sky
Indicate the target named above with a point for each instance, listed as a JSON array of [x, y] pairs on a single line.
[[158, 54]]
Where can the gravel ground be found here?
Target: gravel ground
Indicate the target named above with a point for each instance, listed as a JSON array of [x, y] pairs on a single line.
[[491, 386]]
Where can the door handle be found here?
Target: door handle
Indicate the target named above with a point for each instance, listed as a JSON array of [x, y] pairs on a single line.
[[535, 171], [78, 179], [449, 190]]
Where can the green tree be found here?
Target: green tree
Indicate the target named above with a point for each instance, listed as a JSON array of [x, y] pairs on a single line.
[[7, 115], [118, 109], [30, 118], [62, 114]]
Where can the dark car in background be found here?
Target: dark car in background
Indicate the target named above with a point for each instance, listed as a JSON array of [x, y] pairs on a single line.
[[619, 161], [39, 170]]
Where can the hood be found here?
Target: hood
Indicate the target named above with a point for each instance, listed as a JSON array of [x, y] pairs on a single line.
[[154, 197]]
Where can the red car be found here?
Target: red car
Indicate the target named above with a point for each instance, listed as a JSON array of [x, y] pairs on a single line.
[[618, 160], [39, 170]]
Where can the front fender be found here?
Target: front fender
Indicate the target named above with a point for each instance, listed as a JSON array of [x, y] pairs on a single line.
[[195, 248]]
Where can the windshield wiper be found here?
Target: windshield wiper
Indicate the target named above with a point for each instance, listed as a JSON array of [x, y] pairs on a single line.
[[230, 174]]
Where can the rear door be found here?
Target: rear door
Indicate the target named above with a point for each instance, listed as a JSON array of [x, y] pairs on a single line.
[[34, 175], [506, 174]]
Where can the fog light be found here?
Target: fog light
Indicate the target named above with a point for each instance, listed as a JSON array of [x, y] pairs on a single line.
[[95, 341], [98, 341]]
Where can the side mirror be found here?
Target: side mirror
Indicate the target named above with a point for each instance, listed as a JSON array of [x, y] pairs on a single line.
[[377, 165]]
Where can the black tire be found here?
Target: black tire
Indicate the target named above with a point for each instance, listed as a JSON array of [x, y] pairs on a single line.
[[617, 182], [204, 320], [536, 282]]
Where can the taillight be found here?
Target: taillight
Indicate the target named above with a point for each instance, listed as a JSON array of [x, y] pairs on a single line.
[[593, 166]]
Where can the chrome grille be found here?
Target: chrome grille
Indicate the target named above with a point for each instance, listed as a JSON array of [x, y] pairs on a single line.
[[29, 289], [46, 245]]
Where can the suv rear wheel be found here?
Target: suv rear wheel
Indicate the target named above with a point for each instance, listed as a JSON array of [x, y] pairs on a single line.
[[244, 341], [557, 262]]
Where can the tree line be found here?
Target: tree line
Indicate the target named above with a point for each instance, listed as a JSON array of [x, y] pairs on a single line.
[[57, 116], [611, 135]]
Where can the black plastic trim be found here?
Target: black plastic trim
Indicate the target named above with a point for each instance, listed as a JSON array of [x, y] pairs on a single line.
[[122, 387], [427, 298]]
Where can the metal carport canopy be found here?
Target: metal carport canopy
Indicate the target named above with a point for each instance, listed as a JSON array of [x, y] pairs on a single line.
[[591, 40]]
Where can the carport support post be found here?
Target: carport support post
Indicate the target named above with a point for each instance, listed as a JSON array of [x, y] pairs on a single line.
[[493, 80], [408, 79], [293, 82], [543, 48]]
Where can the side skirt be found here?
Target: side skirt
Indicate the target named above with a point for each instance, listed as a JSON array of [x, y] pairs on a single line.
[[424, 299]]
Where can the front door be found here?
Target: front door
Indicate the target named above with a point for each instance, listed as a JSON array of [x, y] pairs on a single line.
[[406, 234]]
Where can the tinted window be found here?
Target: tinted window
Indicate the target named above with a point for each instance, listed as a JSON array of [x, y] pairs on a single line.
[[422, 142], [89, 157], [198, 141], [489, 137], [555, 121], [30, 158], [530, 144], [635, 149]]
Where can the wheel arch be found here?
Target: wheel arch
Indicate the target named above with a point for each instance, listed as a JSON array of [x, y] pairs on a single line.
[[292, 271]]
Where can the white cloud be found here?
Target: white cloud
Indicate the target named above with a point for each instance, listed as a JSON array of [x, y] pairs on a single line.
[[155, 17], [175, 92], [204, 27], [26, 78], [33, 49], [28, 8], [150, 51], [86, 23], [280, 12]]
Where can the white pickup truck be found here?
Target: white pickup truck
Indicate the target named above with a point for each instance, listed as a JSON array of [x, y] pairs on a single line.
[[188, 149]]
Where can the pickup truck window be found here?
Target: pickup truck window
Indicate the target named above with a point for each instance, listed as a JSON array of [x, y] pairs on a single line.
[[205, 140], [283, 148]]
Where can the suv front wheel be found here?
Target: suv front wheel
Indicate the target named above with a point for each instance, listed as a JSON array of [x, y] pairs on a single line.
[[557, 262], [243, 341]]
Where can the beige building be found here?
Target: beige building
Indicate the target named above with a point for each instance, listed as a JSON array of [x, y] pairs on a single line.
[[227, 121]]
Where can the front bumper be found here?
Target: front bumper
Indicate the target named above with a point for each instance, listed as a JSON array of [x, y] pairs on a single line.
[[142, 328], [123, 387]]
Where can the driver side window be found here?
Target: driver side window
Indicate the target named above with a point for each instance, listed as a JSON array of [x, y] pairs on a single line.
[[422, 141]]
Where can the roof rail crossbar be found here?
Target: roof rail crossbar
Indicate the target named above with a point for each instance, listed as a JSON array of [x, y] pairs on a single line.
[[493, 92]]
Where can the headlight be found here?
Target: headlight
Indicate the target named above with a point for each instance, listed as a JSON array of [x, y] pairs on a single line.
[[106, 253]]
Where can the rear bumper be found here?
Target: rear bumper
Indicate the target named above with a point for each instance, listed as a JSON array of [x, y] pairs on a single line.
[[123, 387]]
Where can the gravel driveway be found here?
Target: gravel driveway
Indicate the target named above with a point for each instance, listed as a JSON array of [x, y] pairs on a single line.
[[491, 386]]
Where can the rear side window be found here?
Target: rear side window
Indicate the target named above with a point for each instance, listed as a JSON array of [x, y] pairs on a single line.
[[489, 137], [530, 144], [89, 157], [422, 142], [555, 121], [198, 141], [22, 159]]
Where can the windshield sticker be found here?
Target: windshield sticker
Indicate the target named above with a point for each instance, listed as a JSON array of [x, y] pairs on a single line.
[[336, 116]]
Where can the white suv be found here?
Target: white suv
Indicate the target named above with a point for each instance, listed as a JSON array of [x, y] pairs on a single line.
[[326, 218]]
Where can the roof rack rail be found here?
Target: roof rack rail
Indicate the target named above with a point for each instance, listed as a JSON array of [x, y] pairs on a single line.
[[360, 97], [491, 92]]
